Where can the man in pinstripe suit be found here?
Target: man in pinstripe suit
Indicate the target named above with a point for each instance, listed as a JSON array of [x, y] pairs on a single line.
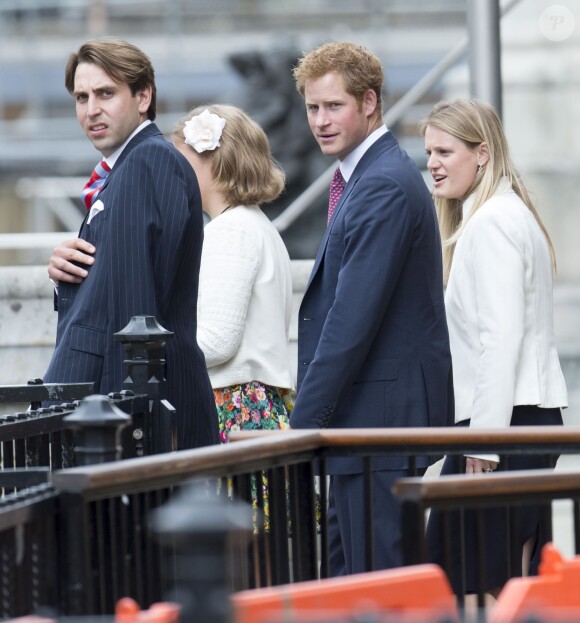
[[138, 250]]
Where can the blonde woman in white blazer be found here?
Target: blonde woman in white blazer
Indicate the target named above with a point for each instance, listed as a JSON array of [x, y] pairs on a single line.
[[499, 263], [245, 284]]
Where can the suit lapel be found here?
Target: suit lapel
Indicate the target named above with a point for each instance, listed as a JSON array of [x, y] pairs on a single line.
[[385, 142], [322, 248], [147, 132]]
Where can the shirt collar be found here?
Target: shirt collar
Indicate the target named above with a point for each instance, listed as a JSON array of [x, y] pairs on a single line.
[[348, 165], [115, 155]]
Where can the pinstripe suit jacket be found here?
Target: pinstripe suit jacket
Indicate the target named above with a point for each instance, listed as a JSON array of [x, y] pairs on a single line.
[[148, 243]]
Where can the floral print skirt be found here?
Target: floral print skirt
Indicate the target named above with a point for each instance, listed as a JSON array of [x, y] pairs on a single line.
[[252, 406]]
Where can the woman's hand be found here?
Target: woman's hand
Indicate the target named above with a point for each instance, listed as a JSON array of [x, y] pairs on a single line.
[[479, 466]]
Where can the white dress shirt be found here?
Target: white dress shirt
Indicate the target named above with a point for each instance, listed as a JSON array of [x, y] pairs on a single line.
[[499, 312], [98, 205], [245, 300], [348, 165]]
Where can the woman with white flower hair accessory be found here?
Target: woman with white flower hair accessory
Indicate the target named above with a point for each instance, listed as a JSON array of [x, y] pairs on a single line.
[[245, 286]]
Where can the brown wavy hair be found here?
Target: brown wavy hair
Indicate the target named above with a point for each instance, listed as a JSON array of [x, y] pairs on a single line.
[[124, 62], [242, 167], [360, 69]]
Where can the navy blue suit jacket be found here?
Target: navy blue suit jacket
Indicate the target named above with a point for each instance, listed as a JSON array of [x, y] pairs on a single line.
[[373, 346], [148, 241]]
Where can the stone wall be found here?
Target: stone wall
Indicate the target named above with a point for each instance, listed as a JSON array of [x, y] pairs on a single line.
[[28, 321]]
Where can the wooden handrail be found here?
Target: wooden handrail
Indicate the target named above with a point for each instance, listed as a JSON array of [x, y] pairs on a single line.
[[171, 468], [260, 450], [438, 439], [472, 489]]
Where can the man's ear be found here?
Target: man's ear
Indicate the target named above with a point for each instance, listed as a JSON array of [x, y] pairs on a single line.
[[144, 97], [369, 102]]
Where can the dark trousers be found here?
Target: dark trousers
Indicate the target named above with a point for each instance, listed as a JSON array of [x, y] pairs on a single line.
[[527, 519], [346, 527]]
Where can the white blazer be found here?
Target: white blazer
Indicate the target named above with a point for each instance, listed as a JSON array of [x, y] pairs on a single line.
[[245, 300], [499, 311]]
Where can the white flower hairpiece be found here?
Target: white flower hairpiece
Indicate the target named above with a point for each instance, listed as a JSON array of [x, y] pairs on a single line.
[[204, 131]]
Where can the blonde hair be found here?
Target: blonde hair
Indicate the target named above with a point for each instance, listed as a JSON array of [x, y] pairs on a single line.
[[242, 167], [360, 69], [475, 122]]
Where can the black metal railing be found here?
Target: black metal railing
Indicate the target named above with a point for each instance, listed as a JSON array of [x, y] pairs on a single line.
[[106, 548], [42, 436], [284, 545], [513, 492], [28, 550], [37, 438], [64, 426]]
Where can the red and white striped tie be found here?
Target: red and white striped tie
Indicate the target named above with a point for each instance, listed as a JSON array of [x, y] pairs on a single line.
[[92, 187]]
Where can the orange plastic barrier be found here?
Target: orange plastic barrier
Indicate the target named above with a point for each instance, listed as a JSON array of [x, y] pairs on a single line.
[[553, 595], [127, 611], [421, 590]]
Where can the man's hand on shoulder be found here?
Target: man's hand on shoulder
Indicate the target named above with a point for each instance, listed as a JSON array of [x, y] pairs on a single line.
[[62, 267]]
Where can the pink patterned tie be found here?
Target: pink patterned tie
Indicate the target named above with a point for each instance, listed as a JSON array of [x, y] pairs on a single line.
[[336, 188], [92, 187]]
